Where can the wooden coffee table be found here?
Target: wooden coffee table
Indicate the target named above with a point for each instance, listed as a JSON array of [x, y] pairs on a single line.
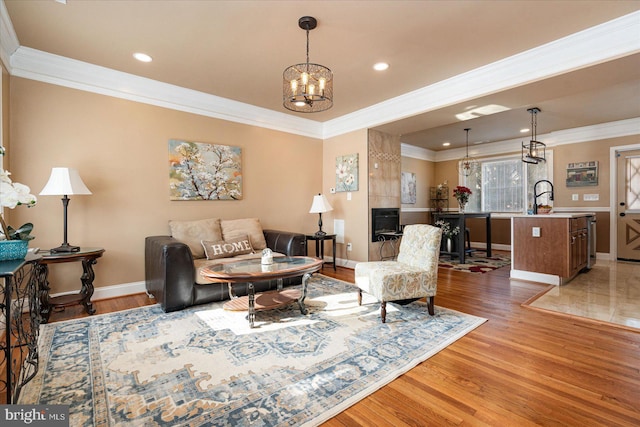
[[251, 270]]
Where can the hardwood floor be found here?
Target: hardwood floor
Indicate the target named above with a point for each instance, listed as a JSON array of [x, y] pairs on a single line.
[[522, 367]]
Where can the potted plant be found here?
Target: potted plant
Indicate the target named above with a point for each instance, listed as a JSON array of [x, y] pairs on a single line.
[[14, 242]]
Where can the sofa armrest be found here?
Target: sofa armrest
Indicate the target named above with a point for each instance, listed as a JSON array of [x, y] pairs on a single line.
[[285, 242], [169, 272]]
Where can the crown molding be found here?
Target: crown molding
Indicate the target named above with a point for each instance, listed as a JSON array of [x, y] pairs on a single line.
[[49, 68], [8, 38], [419, 153], [604, 42], [597, 132]]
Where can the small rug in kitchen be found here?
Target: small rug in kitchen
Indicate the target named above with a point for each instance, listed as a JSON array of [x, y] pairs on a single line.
[[477, 263]]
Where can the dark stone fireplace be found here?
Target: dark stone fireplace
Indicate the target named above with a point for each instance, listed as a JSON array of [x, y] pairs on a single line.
[[384, 220]]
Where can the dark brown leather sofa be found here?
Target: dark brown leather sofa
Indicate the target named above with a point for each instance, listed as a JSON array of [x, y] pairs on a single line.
[[170, 271]]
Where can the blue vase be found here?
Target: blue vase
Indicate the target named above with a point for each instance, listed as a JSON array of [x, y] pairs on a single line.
[[13, 249]]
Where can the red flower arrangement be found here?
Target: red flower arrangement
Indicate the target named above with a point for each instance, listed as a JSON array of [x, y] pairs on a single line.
[[462, 194]]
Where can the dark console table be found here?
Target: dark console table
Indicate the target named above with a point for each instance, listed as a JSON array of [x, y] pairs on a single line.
[[458, 219], [88, 257], [320, 239], [19, 282]]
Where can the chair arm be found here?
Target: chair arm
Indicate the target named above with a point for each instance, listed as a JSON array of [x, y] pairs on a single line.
[[169, 272], [285, 242]]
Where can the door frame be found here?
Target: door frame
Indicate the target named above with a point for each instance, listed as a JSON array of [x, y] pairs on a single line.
[[613, 178]]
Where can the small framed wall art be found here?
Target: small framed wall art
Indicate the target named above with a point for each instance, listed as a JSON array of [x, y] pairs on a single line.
[[408, 188], [582, 174], [347, 173]]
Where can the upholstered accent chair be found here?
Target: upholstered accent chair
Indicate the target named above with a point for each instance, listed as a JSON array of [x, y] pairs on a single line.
[[412, 276]]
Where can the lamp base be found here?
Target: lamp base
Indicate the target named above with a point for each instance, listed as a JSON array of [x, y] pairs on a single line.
[[320, 233], [65, 248]]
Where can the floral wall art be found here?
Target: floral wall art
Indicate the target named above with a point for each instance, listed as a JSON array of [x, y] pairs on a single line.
[[200, 171], [347, 173], [408, 188]]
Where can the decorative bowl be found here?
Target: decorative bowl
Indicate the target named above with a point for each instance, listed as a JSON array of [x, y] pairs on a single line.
[[13, 249]]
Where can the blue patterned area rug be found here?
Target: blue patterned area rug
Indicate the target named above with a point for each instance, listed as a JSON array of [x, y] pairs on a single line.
[[204, 366]]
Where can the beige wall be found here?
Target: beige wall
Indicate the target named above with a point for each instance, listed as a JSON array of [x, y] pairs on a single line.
[[120, 149], [354, 212], [593, 150], [425, 179]]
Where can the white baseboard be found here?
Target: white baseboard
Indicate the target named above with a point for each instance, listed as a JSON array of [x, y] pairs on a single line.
[[497, 246], [114, 291], [106, 292], [340, 262]]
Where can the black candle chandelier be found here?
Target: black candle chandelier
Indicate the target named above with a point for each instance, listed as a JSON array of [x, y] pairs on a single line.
[[534, 151], [307, 87]]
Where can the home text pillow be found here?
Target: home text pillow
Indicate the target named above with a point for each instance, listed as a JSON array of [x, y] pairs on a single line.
[[234, 228], [193, 232], [227, 248]]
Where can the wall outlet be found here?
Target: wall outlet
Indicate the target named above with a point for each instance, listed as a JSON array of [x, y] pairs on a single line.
[[535, 231], [575, 197], [349, 246]]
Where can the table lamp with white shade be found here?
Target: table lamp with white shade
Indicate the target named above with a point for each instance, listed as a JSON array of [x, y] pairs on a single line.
[[65, 182], [320, 204]]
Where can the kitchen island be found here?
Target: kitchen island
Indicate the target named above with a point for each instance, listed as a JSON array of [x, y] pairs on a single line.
[[550, 248]]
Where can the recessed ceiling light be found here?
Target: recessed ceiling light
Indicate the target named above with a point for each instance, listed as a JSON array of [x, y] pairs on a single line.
[[446, 144], [142, 57], [380, 66], [524, 130]]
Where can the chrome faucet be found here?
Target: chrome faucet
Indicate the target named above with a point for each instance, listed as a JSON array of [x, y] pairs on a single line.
[[536, 195]]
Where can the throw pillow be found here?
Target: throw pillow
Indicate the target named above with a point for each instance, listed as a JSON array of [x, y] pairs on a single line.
[[247, 226], [193, 232], [227, 248]]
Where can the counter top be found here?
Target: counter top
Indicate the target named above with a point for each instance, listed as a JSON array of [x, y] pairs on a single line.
[[556, 215]]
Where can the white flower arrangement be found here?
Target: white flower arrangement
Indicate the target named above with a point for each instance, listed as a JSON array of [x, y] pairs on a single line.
[[446, 228], [13, 194]]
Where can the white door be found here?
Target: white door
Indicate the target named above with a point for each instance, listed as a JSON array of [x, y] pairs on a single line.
[[628, 205]]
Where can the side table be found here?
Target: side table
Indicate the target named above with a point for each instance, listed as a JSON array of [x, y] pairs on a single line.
[[88, 257], [320, 245], [20, 319], [392, 237]]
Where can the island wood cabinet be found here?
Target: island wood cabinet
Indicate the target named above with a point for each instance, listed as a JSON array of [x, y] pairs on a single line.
[[550, 245], [578, 245]]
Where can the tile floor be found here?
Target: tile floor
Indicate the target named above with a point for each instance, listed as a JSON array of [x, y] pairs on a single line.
[[610, 292]]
